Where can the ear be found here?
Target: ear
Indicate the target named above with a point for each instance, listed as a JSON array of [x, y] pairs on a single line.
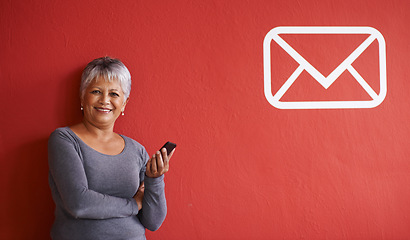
[[81, 99], [125, 103]]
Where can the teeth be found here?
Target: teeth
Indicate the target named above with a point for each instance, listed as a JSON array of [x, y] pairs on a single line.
[[103, 110]]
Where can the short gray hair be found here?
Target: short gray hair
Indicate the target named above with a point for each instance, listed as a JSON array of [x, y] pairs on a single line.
[[110, 69]]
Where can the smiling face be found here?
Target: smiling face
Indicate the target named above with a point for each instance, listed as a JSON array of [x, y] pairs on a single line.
[[103, 102]]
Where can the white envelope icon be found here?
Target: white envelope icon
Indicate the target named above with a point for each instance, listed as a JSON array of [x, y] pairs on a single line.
[[304, 65]]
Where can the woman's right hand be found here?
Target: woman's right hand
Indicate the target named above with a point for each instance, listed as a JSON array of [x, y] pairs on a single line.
[[140, 195]]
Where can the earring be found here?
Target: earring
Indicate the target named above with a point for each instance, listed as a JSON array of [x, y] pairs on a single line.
[[122, 113], [82, 108]]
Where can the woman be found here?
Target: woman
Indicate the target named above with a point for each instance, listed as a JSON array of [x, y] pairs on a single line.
[[104, 185]]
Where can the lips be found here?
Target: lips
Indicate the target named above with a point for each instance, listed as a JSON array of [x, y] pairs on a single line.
[[104, 110]]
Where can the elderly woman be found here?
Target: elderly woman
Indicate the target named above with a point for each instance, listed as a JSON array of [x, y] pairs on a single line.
[[104, 185]]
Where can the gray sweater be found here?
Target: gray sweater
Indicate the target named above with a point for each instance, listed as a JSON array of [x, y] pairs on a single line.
[[93, 192]]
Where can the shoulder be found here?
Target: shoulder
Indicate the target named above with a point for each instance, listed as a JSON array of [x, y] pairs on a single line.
[[59, 132], [132, 143], [62, 134], [134, 146]]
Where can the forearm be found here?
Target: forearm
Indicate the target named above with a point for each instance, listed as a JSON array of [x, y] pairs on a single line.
[[154, 207], [81, 202], [89, 204]]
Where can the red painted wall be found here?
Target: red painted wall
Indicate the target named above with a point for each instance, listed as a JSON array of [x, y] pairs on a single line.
[[243, 168]]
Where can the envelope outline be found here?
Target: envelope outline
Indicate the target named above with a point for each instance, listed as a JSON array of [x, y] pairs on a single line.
[[273, 35]]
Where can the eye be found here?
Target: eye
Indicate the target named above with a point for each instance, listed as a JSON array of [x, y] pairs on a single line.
[[113, 94], [95, 91]]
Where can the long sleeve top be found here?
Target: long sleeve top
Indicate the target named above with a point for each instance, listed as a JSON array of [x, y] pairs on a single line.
[[93, 192]]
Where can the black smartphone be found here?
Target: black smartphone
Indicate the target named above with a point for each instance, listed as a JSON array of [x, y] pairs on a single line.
[[169, 146]]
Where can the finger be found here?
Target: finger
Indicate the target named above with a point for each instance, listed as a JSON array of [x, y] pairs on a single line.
[[154, 168], [148, 170], [164, 153], [160, 162], [165, 157]]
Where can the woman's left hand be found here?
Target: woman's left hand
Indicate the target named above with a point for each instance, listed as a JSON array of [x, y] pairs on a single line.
[[158, 163], [139, 196]]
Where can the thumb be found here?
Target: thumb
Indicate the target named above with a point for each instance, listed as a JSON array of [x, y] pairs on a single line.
[[172, 153]]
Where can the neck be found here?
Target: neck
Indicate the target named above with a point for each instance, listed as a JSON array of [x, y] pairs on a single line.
[[99, 131]]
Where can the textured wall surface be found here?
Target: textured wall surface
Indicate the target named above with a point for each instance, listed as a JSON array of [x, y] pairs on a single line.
[[243, 169]]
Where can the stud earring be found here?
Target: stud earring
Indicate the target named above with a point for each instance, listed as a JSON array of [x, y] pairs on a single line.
[[82, 108], [122, 113]]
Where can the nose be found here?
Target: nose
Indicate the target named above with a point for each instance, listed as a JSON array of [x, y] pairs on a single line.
[[105, 99]]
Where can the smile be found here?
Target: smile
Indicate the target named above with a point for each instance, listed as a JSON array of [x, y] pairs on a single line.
[[105, 110]]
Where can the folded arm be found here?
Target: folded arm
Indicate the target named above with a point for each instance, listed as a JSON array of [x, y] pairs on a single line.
[[68, 177]]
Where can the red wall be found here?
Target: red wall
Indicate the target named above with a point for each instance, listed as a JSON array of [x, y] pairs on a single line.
[[243, 168]]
